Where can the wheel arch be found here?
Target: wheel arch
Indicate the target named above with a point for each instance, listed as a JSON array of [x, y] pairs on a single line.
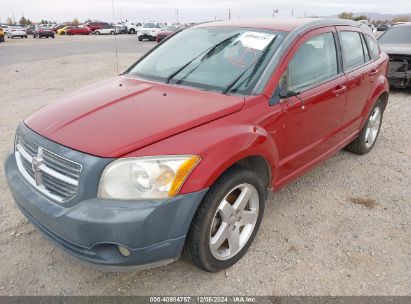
[[380, 93]]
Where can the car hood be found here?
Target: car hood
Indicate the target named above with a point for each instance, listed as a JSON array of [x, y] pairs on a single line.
[[396, 49], [122, 114]]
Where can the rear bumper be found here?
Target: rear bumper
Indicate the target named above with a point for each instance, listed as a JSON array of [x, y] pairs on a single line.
[[146, 36], [45, 34], [92, 229]]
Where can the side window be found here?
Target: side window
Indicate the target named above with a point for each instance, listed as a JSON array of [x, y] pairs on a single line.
[[365, 49], [373, 47], [314, 62], [352, 48]]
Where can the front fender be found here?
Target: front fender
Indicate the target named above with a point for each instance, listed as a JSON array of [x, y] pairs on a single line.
[[222, 143]]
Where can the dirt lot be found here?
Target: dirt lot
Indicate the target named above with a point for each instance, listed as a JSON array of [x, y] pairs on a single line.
[[342, 229]]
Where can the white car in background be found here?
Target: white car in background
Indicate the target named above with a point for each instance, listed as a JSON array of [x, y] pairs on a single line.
[[132, 27], [16, 31], [106, 30], [149, 30]]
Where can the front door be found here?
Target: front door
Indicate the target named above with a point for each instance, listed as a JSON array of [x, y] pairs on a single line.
[[314, 116]]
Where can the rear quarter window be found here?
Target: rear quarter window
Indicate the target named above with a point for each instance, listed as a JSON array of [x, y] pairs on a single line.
[[373, 47], [352, 47]]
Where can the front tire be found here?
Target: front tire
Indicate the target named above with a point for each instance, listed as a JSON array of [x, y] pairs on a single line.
[[132, 31], [367, 138], [227, 220]]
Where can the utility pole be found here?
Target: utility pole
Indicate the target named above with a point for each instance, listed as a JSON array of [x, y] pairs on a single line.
[[177, 15], [292, 13], [229, 14], [14, 19]]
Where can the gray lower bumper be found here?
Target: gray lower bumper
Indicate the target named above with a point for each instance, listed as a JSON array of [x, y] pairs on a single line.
[[153, 231]]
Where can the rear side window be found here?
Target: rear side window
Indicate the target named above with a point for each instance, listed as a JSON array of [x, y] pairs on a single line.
[[352, 47], [314, 62], [373, 47]]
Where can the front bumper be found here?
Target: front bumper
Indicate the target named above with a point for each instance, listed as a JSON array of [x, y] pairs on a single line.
[[399, 71], [92, 229]]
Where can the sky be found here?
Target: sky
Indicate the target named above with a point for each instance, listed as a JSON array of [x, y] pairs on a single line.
[[189, 10]]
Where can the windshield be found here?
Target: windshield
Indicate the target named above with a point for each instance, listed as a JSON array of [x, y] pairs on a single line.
[[397, 35], [214, 59], [151, 25]]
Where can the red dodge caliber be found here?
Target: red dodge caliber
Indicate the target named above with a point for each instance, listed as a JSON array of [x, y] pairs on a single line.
[[179, 153]]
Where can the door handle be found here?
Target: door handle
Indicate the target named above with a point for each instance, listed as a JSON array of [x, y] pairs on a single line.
[[339, 90], [373, 72]]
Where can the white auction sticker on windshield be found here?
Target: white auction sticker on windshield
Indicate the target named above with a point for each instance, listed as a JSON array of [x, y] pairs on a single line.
[[255, 40]]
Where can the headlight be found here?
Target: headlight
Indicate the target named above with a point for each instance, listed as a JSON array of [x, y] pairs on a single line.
[[146, 177]]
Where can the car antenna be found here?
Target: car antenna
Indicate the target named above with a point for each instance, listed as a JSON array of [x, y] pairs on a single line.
[[115, 36]]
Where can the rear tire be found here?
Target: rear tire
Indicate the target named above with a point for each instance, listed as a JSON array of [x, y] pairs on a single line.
[[140, 39], [132, 31], [112, 33], [367, 138], [226, 221]]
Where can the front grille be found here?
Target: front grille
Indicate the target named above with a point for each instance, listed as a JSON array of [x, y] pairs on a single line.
[[51, 174]]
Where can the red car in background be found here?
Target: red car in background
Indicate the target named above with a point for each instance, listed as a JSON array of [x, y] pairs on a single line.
[[165, 32], [79, 30], [96, 25]]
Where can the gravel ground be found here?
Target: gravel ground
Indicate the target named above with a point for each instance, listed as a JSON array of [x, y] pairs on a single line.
[[342, 229]]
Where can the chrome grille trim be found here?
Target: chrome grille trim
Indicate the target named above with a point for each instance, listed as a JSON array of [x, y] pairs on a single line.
[[51, 174]]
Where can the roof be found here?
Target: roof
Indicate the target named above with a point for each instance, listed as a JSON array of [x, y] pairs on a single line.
[[279, 24]]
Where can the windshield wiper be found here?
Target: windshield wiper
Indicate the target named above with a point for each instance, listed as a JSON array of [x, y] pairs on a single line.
[[207, 54], [255, 64]]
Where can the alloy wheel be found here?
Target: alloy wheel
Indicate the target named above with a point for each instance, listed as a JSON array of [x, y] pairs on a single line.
[[234, 221], [373, 126]]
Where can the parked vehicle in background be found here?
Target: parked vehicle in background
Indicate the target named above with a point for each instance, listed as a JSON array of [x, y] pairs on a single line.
[[106, 30], [373, 28], [383, 27], [227, 111], [165, 32], [64, 29], [16, 31], [42, 31], [1, 34], [396, 42], [370, 25], [79, 30], [96, 25], [30, 29], [132, 27], [57, 27], [121, 28], [149, 31]]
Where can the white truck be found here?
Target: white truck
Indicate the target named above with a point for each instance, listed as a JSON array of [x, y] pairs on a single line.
[[132, 27]]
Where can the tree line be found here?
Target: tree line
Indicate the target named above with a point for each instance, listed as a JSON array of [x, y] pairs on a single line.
[[350, 16], [26, 21]]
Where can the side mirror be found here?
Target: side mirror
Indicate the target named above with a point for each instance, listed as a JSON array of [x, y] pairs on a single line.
[[280, 93], [289, 94]]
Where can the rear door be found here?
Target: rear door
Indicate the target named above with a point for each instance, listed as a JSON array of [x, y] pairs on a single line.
[[313, 117], [361, 72]]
